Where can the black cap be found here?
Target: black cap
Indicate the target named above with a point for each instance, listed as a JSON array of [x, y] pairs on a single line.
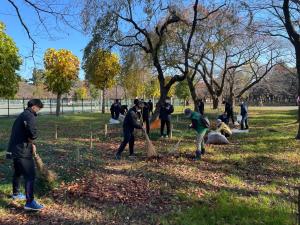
[[35, 102]]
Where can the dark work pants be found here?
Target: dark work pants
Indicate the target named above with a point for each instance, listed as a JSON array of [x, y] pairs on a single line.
[[128, 138], [162, 127], [24, 167], [244, 122], [230, 115]]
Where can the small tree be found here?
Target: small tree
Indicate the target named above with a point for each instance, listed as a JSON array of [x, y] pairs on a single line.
[[81, 93], [182, 91], [10, 61], [152, 89], [62, 68], [101, 68]]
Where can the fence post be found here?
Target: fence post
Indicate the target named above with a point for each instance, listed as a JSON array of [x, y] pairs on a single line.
[[62, 106], [8, 107], [82, 105]]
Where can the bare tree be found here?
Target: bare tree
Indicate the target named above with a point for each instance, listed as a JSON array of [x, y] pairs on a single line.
[[239, 81], [281, 20], [118, 25]]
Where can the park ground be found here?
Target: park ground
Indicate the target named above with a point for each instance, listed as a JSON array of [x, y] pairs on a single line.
[[248, 182]]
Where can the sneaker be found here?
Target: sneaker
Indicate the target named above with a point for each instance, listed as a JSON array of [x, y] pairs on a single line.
[[202, 151], [197, 158], [33, 206], [198, 155], [117, 156], [132, 155], [19, 196], [162, 136]]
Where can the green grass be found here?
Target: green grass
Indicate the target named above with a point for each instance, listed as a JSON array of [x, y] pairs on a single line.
[[249, 181]]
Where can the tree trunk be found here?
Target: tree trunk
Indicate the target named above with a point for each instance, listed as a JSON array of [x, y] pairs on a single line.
[[163, 95], [215, 102], [193, 93], [103, 101], [58, 99]]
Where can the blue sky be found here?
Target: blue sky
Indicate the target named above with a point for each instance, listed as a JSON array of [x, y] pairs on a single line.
[[68, 38]]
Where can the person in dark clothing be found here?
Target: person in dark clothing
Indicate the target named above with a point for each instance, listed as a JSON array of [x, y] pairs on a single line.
[[223, 117], [146, 116], [165, 117], [244, 114], [123, 110], [21, 149], [130, 123], [229, 111], [115, 109], [201, 107], [150, 104]]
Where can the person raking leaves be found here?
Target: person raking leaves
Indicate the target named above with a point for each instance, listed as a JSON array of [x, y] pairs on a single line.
[[21, 148], [130, 123], [201, 125]]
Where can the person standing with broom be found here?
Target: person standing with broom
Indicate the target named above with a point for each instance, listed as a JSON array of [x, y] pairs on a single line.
[[130, 123], [21, 149]]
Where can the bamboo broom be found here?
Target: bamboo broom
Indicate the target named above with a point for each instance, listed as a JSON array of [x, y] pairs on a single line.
[[48, 175], [151, 152]]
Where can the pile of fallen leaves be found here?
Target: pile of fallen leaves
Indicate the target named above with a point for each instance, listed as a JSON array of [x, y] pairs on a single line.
[[112, 188]]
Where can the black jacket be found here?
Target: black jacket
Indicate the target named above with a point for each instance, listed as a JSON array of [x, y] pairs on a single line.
[[228, 108], [201, 107], [165, 111], [146, 111], [116, 108], [244, 109], [131, 120], [150, 104], [24, 128]]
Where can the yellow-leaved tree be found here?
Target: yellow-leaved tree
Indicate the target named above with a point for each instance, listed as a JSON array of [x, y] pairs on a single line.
[[10, 62], [101, 68], [61, 71]]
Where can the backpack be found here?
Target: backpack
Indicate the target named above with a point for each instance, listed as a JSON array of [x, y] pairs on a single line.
[[205, 121]]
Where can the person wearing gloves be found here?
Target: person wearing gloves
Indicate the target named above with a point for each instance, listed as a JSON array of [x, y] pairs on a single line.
[[223, 128], [200, 125], [165, 116], [130, 123], [21, 148]]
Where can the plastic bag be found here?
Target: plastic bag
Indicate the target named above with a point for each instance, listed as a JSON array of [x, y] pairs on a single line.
[[216, 138], [113, 121]]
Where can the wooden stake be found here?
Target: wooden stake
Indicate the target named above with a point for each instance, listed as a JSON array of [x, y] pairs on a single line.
[[91, 140], [105, 130], [171, 133], [55, 132]]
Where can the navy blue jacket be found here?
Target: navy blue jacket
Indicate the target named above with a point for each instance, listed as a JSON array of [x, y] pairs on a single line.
[[165, 111], [244, 109], [24, 128], [131, 120]]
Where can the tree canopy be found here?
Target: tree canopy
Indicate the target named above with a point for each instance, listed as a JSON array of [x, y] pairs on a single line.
[[10, 62]]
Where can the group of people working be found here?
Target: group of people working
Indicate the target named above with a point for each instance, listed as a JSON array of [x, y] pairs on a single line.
[[24, 131]]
